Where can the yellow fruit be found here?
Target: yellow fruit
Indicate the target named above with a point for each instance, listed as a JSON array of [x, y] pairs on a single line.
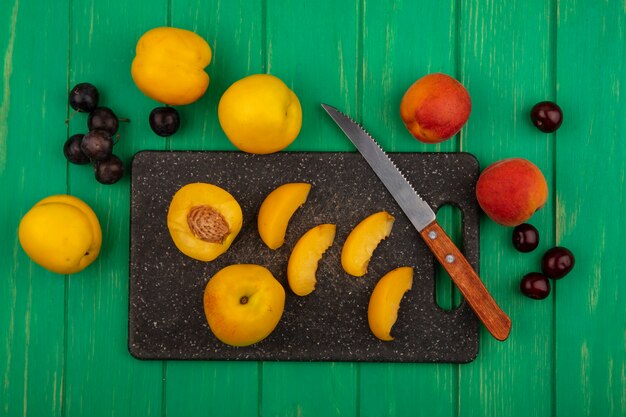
[[382, 311], [363, 240], [277, 209], [243, 304], [260, 114], [203, 220], [61, 233], [302, 266], [169, 65]]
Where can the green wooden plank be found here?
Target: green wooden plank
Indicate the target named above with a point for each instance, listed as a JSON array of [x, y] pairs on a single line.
[[32, 299], [233, 30], [102, 377], [32, 133], [402, 43], [313, 49], [211, 388], [315, 52], [506, 61], [590, 167], [309, 389]]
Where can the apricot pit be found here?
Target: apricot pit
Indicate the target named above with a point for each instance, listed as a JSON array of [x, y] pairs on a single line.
[[203, 220]]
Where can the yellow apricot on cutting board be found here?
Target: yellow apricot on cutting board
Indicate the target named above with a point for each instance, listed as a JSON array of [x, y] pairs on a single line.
[[305, 256], [61, 233], [382, 311], [243, 304], [203, 220], [169, 65], [363, 240], [277, 209]]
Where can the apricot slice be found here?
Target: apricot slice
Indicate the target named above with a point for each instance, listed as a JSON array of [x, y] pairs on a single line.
[[203, 220], [277, 209], [303, 261], [243, 304], [363, 240], [382, 311]]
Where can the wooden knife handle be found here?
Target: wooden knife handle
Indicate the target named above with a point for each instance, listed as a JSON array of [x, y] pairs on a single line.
[[468, 282]]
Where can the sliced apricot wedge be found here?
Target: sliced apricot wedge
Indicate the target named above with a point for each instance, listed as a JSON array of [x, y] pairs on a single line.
[[277, 209], [363, 240], [203, 220], [382, 311], [303, 261]]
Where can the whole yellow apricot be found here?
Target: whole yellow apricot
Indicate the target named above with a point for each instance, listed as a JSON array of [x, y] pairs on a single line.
[[169, 65], [260, 114], [61, 233], [363, 240], [203, 220], [382, 311], [277, 209], [243, 304], [305, 256]]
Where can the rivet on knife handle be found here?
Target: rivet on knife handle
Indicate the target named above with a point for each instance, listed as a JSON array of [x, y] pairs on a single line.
[[468, 282]]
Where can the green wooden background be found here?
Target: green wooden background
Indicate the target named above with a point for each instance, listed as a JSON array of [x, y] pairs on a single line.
[[63, 339]]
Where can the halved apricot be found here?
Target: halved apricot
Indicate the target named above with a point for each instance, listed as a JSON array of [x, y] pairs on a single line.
[[382, 311], [363, 240], [277, 209], [303, 261], [203, 220]]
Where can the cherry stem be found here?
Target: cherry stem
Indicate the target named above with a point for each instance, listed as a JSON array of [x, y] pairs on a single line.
[[124, 119], [71, 115], [117, 139]]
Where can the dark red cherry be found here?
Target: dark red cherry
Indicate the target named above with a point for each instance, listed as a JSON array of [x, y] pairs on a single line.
[[73, 152], [546, 116], [97, 145], [84, 97], [535, 285], [109, 171], [103, 118], [164, 121], [557, 262], [525, 237]]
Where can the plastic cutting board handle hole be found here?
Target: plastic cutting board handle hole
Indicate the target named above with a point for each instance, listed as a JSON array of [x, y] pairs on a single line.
[[447, 296]]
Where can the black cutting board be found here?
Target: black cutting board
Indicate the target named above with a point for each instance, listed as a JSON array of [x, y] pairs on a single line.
[[166, 316]]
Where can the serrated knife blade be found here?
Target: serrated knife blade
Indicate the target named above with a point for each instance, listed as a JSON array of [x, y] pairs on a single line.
[[424, 220]]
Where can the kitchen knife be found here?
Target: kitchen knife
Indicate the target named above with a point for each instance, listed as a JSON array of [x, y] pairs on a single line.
[[425, 221]]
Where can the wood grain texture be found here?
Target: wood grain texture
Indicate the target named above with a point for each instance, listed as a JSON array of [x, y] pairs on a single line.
[[102, 378], [32, 313], [506, 62], [590, 173], [468, 282], [63, 339]]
